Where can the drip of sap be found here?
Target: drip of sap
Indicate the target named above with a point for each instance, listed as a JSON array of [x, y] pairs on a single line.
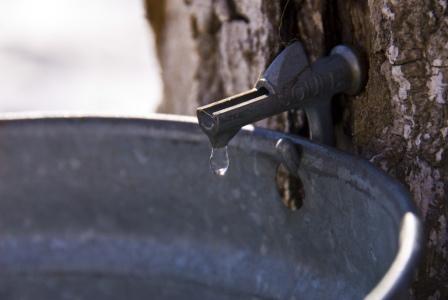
[[219, 161]]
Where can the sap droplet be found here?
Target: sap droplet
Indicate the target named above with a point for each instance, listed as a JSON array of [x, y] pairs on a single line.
[[219, 161]]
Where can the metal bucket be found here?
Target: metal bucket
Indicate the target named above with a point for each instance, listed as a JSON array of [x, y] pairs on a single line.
[[127, 208]]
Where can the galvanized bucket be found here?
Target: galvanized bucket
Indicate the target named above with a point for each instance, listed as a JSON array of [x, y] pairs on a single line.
[[127, 208]]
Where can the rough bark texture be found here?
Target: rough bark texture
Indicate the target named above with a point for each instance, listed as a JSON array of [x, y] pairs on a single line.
[[211, 49]]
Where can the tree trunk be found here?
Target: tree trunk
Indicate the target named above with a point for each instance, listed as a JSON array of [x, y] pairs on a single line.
[[212, 49]]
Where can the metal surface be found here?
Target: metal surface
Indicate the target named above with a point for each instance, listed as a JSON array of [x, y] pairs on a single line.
[[110, 208], [290, 82]]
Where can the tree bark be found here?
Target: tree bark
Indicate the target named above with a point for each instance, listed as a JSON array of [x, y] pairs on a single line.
[[212, 49]]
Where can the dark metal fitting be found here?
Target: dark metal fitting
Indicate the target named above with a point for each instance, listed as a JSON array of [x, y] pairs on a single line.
[[290, 82], [289, 154]]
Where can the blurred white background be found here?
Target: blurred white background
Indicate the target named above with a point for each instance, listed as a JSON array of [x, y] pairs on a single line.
[[78, 56]]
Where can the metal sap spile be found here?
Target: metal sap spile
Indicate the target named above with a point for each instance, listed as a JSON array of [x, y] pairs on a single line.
[[290, 82]]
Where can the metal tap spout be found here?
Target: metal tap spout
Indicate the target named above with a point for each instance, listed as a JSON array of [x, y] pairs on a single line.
[[290, 82]]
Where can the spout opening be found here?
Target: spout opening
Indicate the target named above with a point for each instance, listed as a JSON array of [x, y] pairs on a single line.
[[206, 120]]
